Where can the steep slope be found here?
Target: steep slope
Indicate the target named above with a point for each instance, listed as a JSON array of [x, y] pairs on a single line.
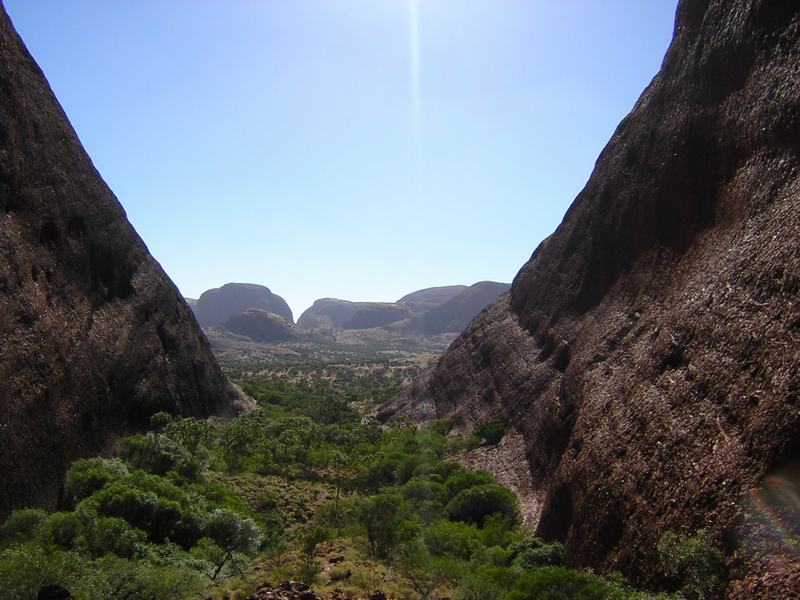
[[455, 314], [332, 313], [424, 300], [216, 306], [648, 351], [261, 326], [94, 337]]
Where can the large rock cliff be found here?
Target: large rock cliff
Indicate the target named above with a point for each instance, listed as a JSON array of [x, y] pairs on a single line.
[[94, 337], [649, 350]]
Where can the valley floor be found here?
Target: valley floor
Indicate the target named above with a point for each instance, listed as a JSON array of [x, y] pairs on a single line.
[[304, 489]]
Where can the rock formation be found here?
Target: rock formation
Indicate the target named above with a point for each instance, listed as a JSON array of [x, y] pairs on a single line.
[[332, 313], [455, 314], [431, 311], [648, 351], [94, 338], [423, 300], [216, 306], [261, 326]]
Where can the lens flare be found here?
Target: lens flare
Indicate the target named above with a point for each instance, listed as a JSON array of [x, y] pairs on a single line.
[[772, 522]]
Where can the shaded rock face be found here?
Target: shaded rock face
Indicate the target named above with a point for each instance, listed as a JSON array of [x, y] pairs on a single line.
[[261, 326], [455, 314], [431, 311], [94, 338], [424, 300], [216, 306], [370, 315], [331, 313], [648, 351]]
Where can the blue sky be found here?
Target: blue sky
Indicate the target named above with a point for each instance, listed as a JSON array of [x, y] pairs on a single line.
[[358, 149]]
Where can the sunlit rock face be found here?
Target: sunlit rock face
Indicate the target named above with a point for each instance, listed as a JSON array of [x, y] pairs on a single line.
[[94, 337], [648, 351]]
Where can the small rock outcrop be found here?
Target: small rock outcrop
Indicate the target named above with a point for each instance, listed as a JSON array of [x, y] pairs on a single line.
[[216, 306], [261, 326], [94, 337], [648, 351]]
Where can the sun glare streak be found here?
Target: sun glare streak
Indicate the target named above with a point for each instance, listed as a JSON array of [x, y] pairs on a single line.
[[414, 45]]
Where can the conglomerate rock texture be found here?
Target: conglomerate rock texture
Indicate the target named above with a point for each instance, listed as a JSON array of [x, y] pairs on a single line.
[[649, 351], [94, 338]]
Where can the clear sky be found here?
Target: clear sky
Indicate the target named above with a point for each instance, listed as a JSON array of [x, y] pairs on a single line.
[[358, 149]]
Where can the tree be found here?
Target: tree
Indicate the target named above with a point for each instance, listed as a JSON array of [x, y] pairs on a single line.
[[424, 571], [476, 504], [310, 540], [388, 521], [693, 561]]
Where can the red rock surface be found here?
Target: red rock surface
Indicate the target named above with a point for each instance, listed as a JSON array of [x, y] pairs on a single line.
[[649, 350], [94, 337]]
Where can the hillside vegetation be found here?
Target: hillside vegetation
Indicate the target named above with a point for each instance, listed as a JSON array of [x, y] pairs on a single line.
[[302, 488]]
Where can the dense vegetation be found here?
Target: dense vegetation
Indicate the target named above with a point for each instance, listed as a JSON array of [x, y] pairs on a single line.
[[195, 507]]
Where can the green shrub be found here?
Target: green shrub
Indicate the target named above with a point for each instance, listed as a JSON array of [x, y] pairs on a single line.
[[484, 582], [87, 476], [158, 515], [476, 504], [693, 562], [21, 525], [134, 580], [158, 454], [91, 534], [388, 520], [424, 571], [560, 583], [26, 568], [460, 479], [419, 489], [197, 436], [490, 432], [232, 532], [448, 538], [533, 552]]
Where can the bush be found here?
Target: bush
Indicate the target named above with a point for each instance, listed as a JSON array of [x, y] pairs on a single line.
[[388, 521], [461, 479], [420, 489], [693, 562], [560, 583], [232, 532], [92, 535], [484, 583], [21, 525], [26, 568], [448, 538], [476, 504], [499, 530], [195, 435], [490, 432], [533, 552], [158, 454], [424, 571], [156, 514], [87, 476]]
